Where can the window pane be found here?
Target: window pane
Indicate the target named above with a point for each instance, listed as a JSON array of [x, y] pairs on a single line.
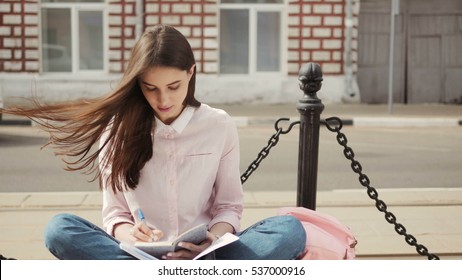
[[234, 41], [91, 40], [268, 41], [56, 40]]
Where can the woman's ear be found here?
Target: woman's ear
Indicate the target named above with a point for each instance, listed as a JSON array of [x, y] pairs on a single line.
[[191, 71]]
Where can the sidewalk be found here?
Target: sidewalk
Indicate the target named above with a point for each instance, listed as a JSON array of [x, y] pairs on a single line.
[[352, 114], [415, 115], [432, 216]]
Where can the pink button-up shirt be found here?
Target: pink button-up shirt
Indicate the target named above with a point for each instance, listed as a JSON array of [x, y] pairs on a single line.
[[192, 178]]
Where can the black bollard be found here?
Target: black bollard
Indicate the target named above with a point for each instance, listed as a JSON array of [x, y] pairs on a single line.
[[310, 108]]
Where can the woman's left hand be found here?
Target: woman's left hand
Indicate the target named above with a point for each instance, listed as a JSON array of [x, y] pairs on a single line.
[[190, 250]]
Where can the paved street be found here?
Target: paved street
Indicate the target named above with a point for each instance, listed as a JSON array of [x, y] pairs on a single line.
[[391, 157], [425, 157]]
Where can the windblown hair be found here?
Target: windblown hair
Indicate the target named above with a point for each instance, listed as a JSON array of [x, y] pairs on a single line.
[[76, 127]]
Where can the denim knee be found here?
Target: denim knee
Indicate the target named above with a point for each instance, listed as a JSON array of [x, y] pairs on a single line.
[[55, 232], [291, 234], [296, 231], [294, 228]]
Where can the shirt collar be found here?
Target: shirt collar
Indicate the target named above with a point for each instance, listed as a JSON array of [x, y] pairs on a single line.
[[180, 123]]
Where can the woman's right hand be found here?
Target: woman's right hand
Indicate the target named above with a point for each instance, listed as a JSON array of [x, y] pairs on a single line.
[[138, 232]]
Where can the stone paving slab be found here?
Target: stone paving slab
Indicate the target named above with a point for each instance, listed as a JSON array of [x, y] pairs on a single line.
[[64, 199]]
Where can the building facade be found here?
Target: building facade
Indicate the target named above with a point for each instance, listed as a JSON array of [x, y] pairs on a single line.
[[246, 50]]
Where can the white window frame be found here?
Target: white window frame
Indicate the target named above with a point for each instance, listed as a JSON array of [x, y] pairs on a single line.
[[75, 8], [253, 11]]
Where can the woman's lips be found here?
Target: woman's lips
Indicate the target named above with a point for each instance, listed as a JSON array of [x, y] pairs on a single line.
[[165, 109]]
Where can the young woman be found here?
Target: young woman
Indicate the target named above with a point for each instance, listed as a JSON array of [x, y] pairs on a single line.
[[160, 151]]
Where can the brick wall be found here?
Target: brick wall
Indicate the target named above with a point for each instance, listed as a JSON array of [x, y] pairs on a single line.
[[196, 19], [19, 36], [122, 36], [316, 33]]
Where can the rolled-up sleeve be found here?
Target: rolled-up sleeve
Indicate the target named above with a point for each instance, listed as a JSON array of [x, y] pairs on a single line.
[[115, 208], [228, 204]]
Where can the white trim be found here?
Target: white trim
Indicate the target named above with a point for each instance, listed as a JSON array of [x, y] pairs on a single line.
[[106, 39], [284, 39], [40, 38], [253, 41], [75, 53]]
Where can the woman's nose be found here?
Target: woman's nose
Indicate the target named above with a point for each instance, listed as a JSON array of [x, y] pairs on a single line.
[[162, 98]]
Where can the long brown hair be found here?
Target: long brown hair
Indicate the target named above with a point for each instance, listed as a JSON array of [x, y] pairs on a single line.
[[124, 114]]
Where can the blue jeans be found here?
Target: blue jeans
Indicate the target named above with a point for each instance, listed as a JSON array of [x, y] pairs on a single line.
[[71, 237]]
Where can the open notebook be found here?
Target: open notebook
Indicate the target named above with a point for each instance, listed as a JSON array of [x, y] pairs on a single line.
[[143, 255]]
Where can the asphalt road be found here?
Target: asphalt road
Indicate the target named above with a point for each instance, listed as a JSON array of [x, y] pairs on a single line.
[[391, 158]]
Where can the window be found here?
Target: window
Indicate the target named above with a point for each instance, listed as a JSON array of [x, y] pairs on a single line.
[[72, 33], [251, 36]]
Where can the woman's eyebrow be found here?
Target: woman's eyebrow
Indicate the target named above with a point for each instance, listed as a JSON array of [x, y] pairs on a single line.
[[172, 83]]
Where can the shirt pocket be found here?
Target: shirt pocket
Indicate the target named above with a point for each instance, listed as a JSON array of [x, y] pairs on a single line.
[[199, 169], [200, 162], [197, 155], [197, 160]]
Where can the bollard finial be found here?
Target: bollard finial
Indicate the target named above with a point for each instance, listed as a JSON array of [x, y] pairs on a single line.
[[310, 78]]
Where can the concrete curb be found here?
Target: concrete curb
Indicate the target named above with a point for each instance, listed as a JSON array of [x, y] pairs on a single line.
[[15, 123], [406, 122], [245, 121], [242, 121], [256, 199]]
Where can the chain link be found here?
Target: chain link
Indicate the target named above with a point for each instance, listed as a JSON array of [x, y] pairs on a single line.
[[274, 139], [335, 124], [261, 155]]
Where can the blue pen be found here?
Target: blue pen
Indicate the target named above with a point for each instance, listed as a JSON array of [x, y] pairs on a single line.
[[141, 215]]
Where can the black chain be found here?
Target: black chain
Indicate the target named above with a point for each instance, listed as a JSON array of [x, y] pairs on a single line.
[[274, 139], [335, 124]]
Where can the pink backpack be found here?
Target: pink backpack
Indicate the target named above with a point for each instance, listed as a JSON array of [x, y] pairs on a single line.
[[326, 237]]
